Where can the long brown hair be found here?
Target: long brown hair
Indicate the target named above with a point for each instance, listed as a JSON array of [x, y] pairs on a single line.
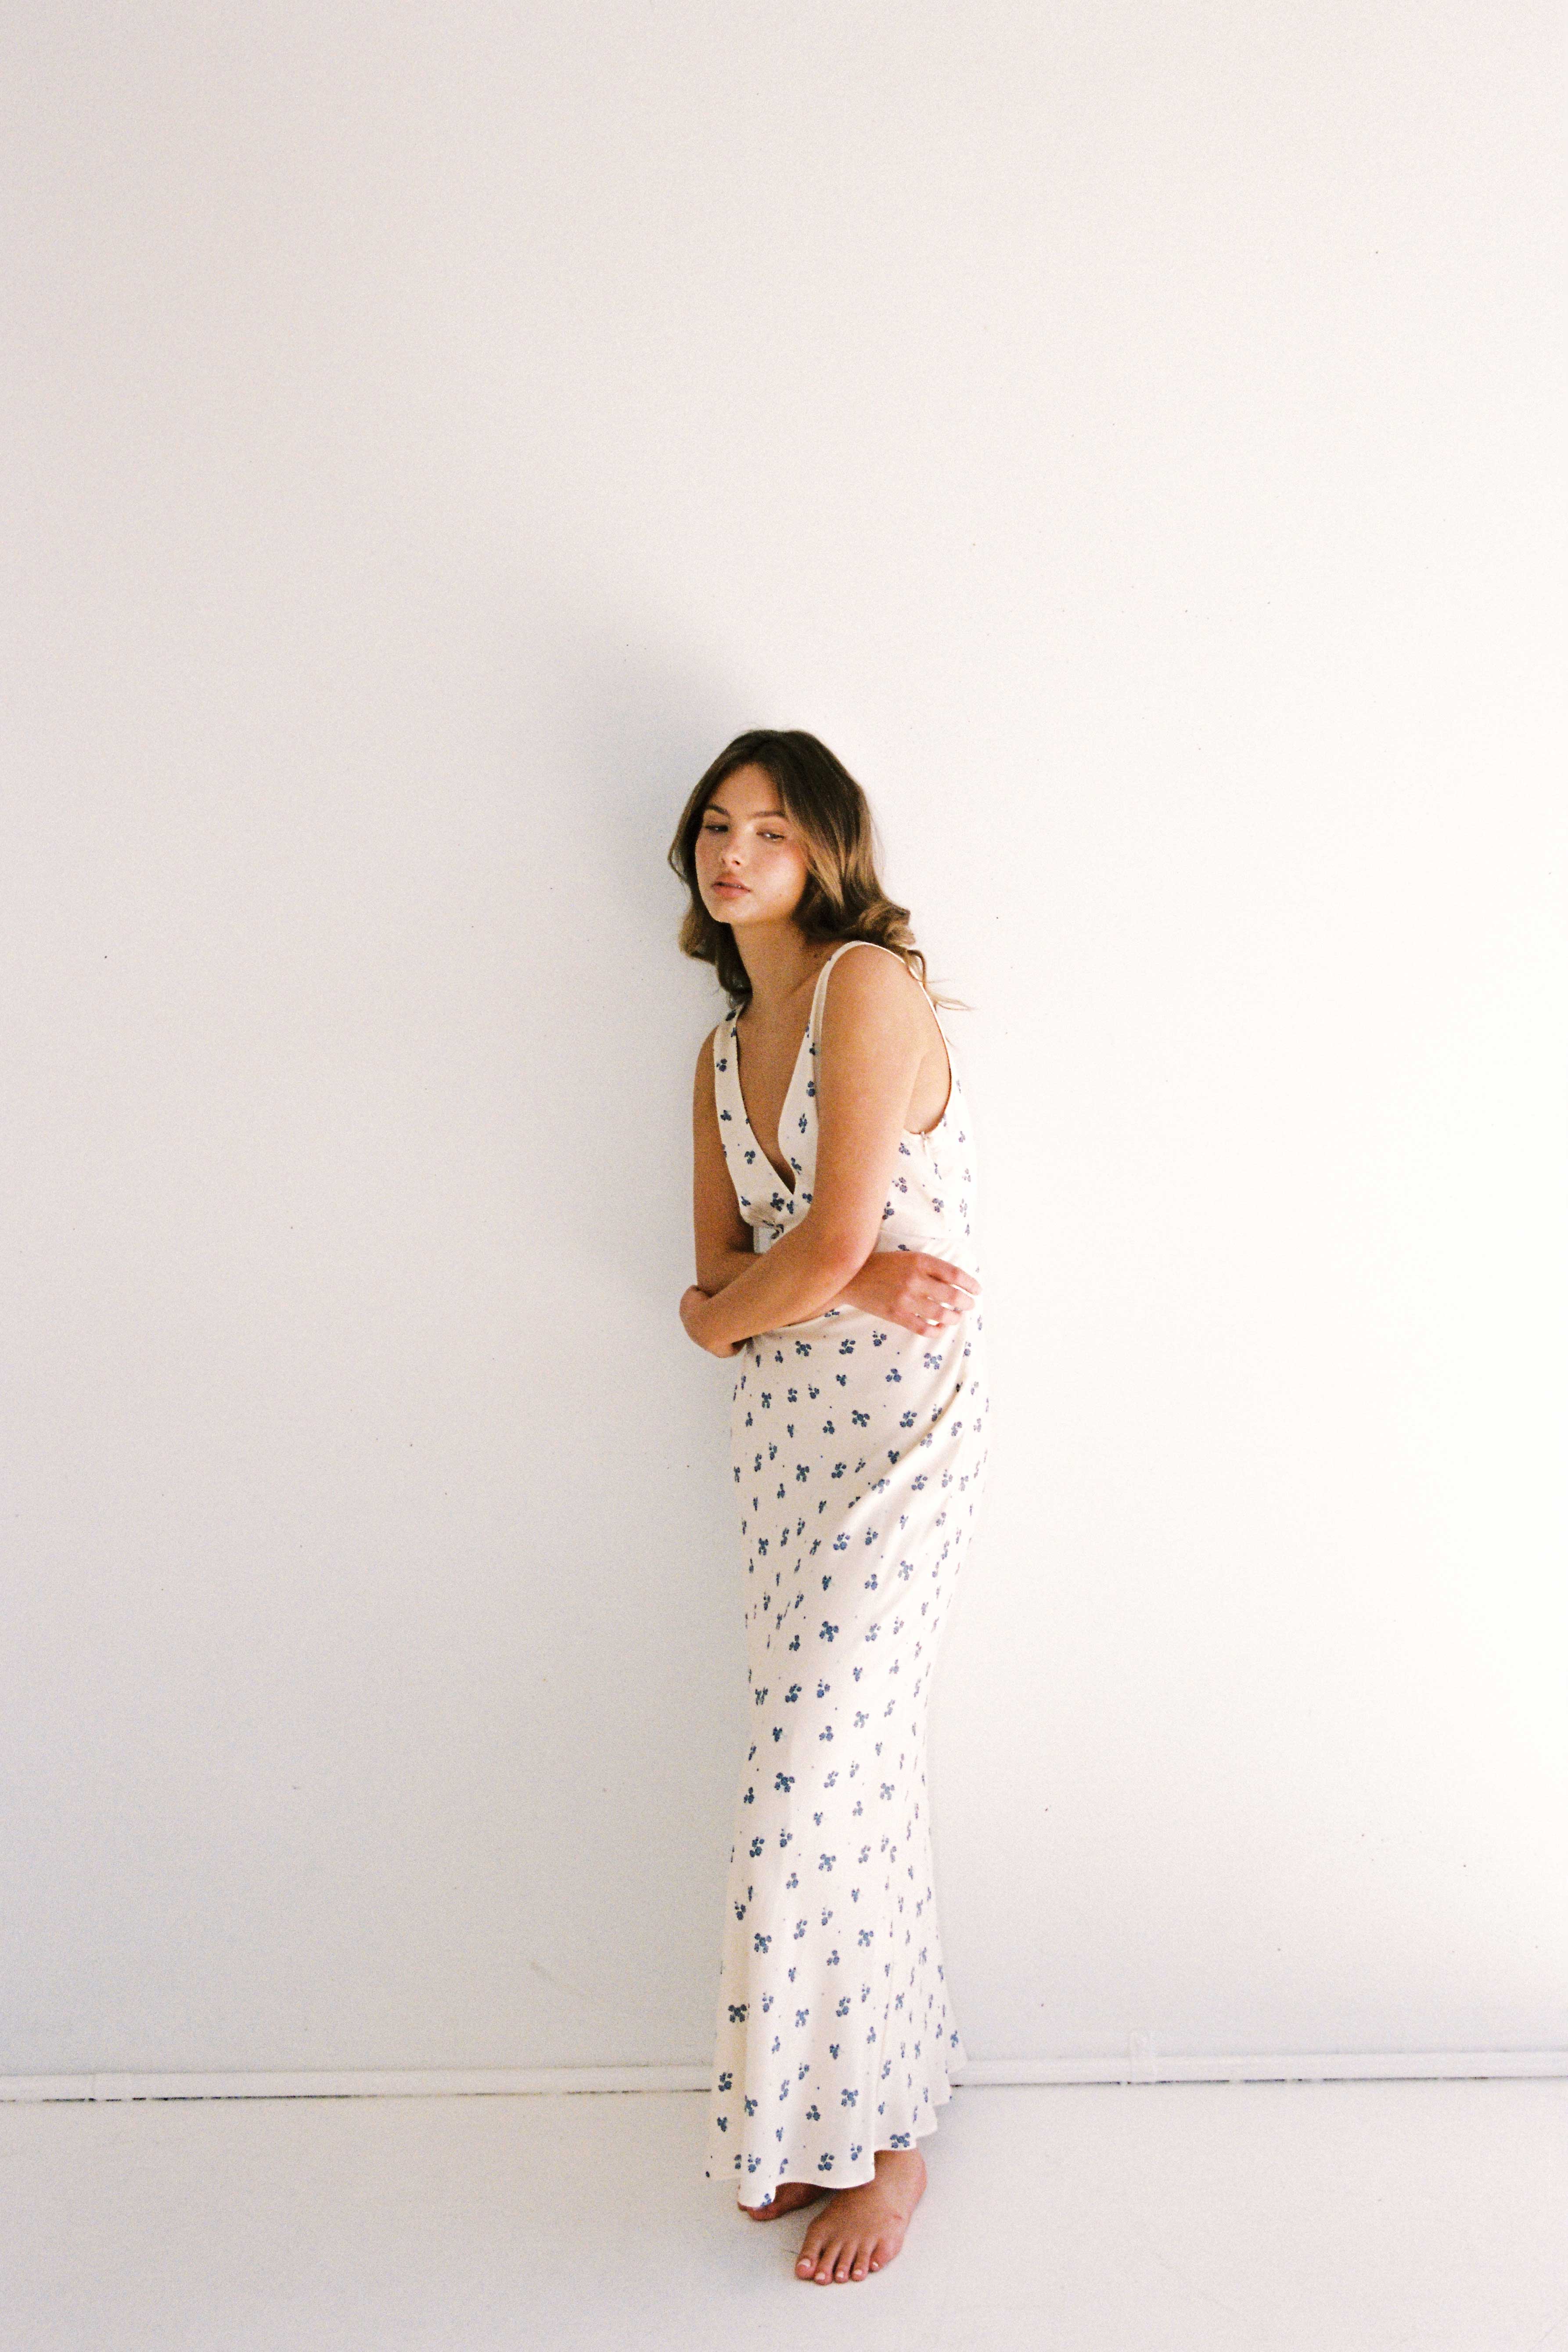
[[843, 898]]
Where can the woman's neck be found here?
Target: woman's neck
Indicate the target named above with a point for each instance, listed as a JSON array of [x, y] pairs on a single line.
[[779, 962]]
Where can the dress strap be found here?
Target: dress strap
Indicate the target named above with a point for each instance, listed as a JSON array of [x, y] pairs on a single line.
[[818, 993], [726, 1081]]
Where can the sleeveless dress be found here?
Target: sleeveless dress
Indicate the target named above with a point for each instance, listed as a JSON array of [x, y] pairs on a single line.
[[859, 1451]]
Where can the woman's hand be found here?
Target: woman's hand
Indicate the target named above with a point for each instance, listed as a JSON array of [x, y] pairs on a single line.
[[693, 1302], [920, 1293]]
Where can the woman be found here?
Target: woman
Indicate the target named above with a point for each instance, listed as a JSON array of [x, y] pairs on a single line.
[[833, 1179]]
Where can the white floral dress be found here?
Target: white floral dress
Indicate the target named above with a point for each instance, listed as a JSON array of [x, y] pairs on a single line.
[[859, 1451]]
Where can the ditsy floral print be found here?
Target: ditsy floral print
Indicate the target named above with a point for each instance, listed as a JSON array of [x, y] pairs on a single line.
[[858, 1452]]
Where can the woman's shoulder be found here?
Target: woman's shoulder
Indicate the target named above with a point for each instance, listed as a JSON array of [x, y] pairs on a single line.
[[886, 972], [876, 985]]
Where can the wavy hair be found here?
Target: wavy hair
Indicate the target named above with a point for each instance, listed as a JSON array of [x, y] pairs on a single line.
[[843, 898]]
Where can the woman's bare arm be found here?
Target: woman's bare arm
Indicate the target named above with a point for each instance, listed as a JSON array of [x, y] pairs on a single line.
[[723, 1245], [870, 1052], [722, 1234]]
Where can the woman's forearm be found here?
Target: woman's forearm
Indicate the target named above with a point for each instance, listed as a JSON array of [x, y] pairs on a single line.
[[730, 1264], [724, 1269], [737, 1262], [771, 1289]]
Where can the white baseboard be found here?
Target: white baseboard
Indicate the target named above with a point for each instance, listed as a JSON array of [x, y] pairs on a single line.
[[1311, 2067], [414, 2082], [514, 2082]]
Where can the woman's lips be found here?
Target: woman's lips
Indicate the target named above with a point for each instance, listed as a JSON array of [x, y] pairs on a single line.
[[738, 886]]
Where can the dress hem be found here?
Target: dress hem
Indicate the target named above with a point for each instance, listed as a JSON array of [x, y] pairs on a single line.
[[922, 2130]]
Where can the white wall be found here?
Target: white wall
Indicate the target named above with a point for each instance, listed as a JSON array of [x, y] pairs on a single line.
[[1130, 436]]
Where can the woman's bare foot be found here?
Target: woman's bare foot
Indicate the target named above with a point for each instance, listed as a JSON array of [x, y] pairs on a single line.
[[861, 2229], [788, 2198]]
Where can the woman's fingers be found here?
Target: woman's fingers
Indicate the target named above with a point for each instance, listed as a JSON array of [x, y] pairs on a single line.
[[955, 1277], [930, 1292], [932, 1311]]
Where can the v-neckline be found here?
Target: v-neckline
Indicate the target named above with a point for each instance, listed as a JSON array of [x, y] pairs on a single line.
[[788, 1089]]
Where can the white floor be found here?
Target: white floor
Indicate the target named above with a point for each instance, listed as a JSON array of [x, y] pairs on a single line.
[[1411, 2217]]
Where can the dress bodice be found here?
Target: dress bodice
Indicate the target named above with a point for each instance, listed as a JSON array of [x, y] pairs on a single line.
[[930, 1197]]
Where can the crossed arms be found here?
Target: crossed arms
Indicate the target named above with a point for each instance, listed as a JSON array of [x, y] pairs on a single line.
[[870, 1052]]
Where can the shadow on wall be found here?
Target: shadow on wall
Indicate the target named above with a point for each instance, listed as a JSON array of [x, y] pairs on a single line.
[[610, 731]]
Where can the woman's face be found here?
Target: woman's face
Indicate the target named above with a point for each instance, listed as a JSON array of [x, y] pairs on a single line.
[[751, 865]]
